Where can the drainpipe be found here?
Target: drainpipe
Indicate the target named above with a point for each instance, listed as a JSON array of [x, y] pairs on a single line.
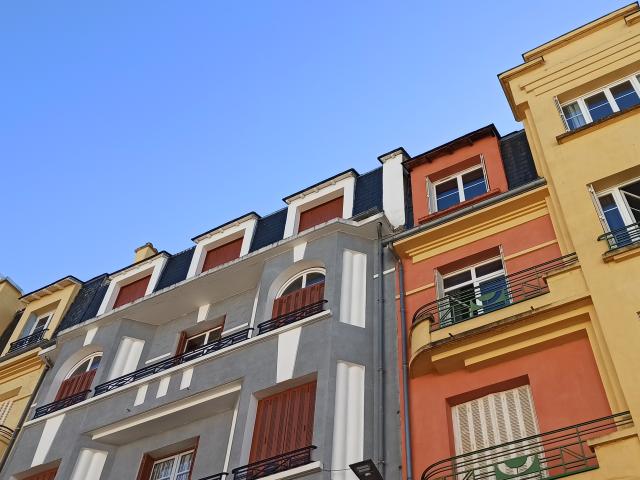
[[405, 366], [381, 360], [23, 417]]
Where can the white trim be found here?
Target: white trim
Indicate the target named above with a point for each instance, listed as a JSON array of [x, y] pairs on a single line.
[[253, 312], [303, 274], [175, 463], [48, 316], [621, 202], [163, 386], [88, 357], [231, 435], [241, 229], [393, 188], [89, 464], [130, 275], [475, 280], [236, 328], [49, 432], [191, 363], [344, 187], [159, 357], [458, 177], [295, 472]]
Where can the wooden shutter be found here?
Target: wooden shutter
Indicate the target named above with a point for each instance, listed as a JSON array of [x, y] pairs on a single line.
[[298, 299], [223, 254], [146, 466], [182, 342], [320, 214], [75, 384], [284, 422], [133, 291], [5, 408], [494, 419], [47, 475]]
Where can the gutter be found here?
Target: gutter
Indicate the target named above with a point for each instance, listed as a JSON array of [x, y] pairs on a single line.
[[465, 211], [23, 417], [381, 363], [405, 367]]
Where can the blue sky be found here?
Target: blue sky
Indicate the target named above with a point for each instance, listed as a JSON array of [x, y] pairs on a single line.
[[127, 122]]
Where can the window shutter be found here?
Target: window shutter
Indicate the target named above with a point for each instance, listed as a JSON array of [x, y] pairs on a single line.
[[48, 475], [144, 473], [320, 214], [284, 422], [598, 207], [484, 172], [562, 117], [5, 408], [75, 384], [133, 291], [298, 299], [222, 254], [431, 197], [182, 342]]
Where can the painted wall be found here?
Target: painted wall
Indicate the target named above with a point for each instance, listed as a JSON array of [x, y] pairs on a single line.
[[9, 302]]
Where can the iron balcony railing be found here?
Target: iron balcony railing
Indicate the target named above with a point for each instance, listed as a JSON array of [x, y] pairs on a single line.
[[24, 342], [280, 463], [217, 476], [60, 404], [553, 454], [291, 317], [491, 295], [172, 362], [622, 237]]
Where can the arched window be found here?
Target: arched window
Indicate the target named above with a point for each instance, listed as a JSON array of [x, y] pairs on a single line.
[[80, 377], [300, 297]]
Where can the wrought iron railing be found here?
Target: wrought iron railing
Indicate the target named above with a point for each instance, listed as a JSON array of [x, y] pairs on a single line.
[[280, 463], [491, 295], [622, 237], [6, 432], [291, 317], [548, 455], [162, 365], [217, 476], [60, 404], [24, 342]]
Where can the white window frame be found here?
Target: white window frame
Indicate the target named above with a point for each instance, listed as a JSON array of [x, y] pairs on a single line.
[[176, 463], [431, 185], [206, 334], [621, 202], [475, 280], [40, 317], [302, 274], [635, 82], [75, 367]]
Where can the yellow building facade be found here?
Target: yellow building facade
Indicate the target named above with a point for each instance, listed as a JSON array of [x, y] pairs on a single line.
[[578, 97], [23, 360]]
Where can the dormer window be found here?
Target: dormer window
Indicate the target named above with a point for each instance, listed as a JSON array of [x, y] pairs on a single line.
[[321, 214], [42, 322], [458, 188], [602, 103], [132, 291], [222, 254]]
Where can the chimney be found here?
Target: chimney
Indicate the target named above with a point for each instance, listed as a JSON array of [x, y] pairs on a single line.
[[145, 251]]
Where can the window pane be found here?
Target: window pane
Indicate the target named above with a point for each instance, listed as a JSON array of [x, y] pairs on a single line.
[[447, 194], [296, 285], [494, 294], [185, 463], [625, 95], [214, 335], [611, 212], [81, 368], [462, 304], [573, 115], [194, 342], [598, 106], [488, 268], [95, 363], [457, 279], [474, 184], [632, 195], [314, 277], [162, 470]]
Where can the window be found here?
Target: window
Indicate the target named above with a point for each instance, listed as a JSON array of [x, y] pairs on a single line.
[[132, 291], [177, 467], [196, 341], [284, 422], [80, 377], [46, 475], [473, 291], [595, 106], [42, 321], [621, 210], [222, 254], [459, 188], [302, 291], [321, 214]]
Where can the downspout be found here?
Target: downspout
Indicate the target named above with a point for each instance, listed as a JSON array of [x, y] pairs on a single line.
[[405, 366], [381, 361], [23, 417]]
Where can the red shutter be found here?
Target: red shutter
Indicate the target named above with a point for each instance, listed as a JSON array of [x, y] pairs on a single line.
[[144, 473], [75, 384], [133, 291], [47, 475], [320, 214], [284, 422], [298, 299], [223, 254], [182, 342]]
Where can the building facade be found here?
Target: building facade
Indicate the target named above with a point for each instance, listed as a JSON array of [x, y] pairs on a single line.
[[260, 352]]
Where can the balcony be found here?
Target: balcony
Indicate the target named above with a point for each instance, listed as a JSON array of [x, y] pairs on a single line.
[[291, 317], [490, 296], [172, 362], [270, 466], [622, 237], [27, 341], [60, 404], [554, 454]]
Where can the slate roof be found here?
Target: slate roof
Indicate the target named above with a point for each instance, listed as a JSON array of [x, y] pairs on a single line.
[[86, 303], [176, 269], [517, 159]]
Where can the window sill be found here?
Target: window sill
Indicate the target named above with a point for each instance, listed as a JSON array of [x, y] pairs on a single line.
[[614, 117], [446, 211], [622, 253]]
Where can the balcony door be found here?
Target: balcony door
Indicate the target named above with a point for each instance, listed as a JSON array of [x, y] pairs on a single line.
[[621, 209], [492, 421]]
